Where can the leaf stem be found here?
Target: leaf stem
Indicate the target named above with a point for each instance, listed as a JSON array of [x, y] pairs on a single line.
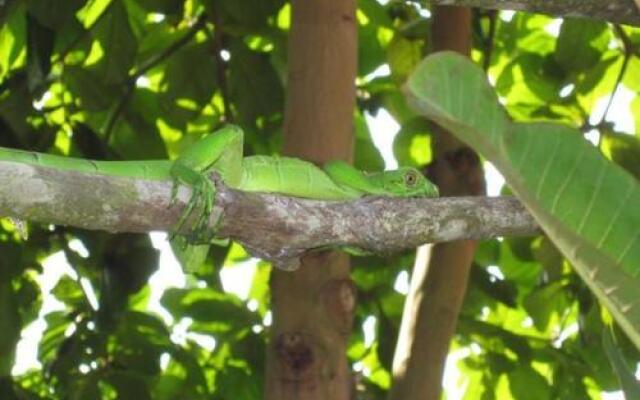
[[627, 55]]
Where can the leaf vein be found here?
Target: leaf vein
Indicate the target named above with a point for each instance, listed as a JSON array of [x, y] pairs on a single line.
[[566, 181], [547, 167], [612, 221], [592, 201]]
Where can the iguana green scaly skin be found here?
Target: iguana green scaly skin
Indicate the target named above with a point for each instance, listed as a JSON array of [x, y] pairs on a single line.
[[222, 152]]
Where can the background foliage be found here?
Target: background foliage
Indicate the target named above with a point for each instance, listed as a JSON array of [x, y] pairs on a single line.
[[138, 79]]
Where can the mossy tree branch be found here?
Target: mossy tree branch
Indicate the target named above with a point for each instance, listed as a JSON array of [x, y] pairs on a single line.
[[271, 226]]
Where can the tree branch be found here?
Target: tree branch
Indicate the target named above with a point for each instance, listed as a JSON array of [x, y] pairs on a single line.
[[274, 227], [618, 11]]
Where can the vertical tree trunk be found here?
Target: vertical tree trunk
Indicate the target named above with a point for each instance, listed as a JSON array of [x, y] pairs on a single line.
[[313, 307], [440, 274]]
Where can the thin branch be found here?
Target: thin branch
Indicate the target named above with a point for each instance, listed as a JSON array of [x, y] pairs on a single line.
[[489, 40], [169, 51], [628, 51], [617, 11], [130, 84], [274, 227], [221, 70]]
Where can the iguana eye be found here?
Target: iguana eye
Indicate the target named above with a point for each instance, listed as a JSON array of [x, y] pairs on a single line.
[[410, 178]]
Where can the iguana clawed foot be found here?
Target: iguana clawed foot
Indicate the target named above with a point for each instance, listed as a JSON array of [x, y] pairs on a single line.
[[202, 199]]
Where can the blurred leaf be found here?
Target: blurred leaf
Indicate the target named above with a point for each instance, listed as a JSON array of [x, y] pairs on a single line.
[[370, 52], [550, 257], [580, 43], [386, 335], [13, 37], [367, 157], [543, 302], [630, 384], [251, 13], [53, 13], [523, 81], [521, 247], [118, 43], [598, 80], [630, 78], [622, 149], [488, 253], [238, 384], [69, 292], [376, 13], [222, 311], [190, 257], [88, 142], [182, 96], [527, 384], [10, 325], [92, 92], [161, 6], [129, 385], [53, 336], [403, 55], [254, 85], [39, 47], [504, 291], [412, 145], [92, 11]]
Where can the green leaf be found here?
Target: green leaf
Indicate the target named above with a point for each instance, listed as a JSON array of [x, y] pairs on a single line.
[[598, 80], [412, 145], [403, 55], [251, 13], [523, 81], [208, 306], [10, 326], [253, 84], [84, 83], [69, 292], [161, 6], [630, 79], [13, 36], [367, 157], [622, 149], [586, 204], [527, 384], [92, 11], [580, 43], [376, 13], [54, 13], [370, 52], [178, 84], [118, 43], [39, 47], [543, 302], [191, 257]]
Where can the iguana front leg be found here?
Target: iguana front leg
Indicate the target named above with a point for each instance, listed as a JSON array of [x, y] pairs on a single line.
[[220, 151]]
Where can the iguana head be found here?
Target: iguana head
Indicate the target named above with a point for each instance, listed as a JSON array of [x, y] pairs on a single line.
[[407, 182]]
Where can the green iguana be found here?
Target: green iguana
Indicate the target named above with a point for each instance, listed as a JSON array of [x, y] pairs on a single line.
[[222, 152]]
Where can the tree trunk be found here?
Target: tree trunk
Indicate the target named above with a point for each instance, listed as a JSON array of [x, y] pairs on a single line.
[[313, 307], [441, 271]]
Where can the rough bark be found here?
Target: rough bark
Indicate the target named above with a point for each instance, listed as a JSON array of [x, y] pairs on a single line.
[[272, 226], [618, 11], [440, 273], [313, 307]]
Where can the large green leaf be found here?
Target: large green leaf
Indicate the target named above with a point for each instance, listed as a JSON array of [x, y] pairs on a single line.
[[586, 204]]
